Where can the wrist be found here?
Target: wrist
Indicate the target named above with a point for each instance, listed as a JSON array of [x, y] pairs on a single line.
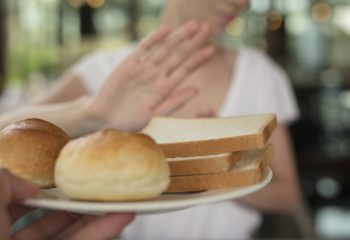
[[109, 118], [92, 121]]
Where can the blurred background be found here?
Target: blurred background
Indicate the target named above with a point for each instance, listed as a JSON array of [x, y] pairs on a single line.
[[310, 39]]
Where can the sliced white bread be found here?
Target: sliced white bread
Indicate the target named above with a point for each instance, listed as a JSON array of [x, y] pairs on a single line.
[[183, 137], [210, 164], [250, 169]]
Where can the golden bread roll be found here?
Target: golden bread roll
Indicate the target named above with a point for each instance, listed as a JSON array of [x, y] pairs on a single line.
[[29, 149], [110, 165]]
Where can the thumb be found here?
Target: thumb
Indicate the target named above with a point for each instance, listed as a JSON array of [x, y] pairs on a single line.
[[175, 101], [15, 189]]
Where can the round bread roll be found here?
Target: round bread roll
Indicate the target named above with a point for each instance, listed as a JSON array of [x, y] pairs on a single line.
[[110, 165], [29, 149]]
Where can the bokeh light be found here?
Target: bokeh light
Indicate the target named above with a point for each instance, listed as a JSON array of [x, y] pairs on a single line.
[[321, 12], [274, 20]]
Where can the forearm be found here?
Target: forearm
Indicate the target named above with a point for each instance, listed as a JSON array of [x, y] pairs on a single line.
[[275, 197], [282, 194], [73, 116]]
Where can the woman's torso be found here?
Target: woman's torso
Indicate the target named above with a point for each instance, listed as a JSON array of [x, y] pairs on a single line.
[[242, 83], [224, 220], [213, 81]]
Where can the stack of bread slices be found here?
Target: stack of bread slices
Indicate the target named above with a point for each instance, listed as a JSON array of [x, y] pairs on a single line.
[[214, 153]]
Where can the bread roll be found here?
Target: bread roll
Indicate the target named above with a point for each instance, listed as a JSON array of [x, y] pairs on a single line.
[[29, 149], [110, 165]]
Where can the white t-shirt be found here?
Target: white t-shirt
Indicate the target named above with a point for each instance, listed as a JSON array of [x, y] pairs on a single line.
[[259, 86]]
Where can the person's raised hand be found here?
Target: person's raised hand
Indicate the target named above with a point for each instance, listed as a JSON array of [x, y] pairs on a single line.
[[54, 225], [146, 83]]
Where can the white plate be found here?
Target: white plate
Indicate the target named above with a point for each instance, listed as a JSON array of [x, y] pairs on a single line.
[[54, 199]]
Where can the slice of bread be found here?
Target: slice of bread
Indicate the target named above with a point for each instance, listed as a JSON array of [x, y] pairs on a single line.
[[250, 169], [218, 163], [181, 137]]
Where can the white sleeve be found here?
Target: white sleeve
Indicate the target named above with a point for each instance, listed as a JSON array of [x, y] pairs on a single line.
[[280, 98], [92, 70], [95, 68]]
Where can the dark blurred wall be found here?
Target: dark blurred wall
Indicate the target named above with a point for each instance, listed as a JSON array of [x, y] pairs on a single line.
[[87, 27], [2, 45], [133, 11]]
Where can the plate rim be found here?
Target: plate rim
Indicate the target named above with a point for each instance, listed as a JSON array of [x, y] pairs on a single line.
[[147, 205]]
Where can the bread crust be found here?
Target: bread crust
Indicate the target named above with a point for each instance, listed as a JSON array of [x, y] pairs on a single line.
[[215, 146], [238, 176], [29, 149], [200, 165]]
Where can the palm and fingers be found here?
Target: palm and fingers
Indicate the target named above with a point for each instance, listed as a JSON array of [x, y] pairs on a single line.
[[146, 83]]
